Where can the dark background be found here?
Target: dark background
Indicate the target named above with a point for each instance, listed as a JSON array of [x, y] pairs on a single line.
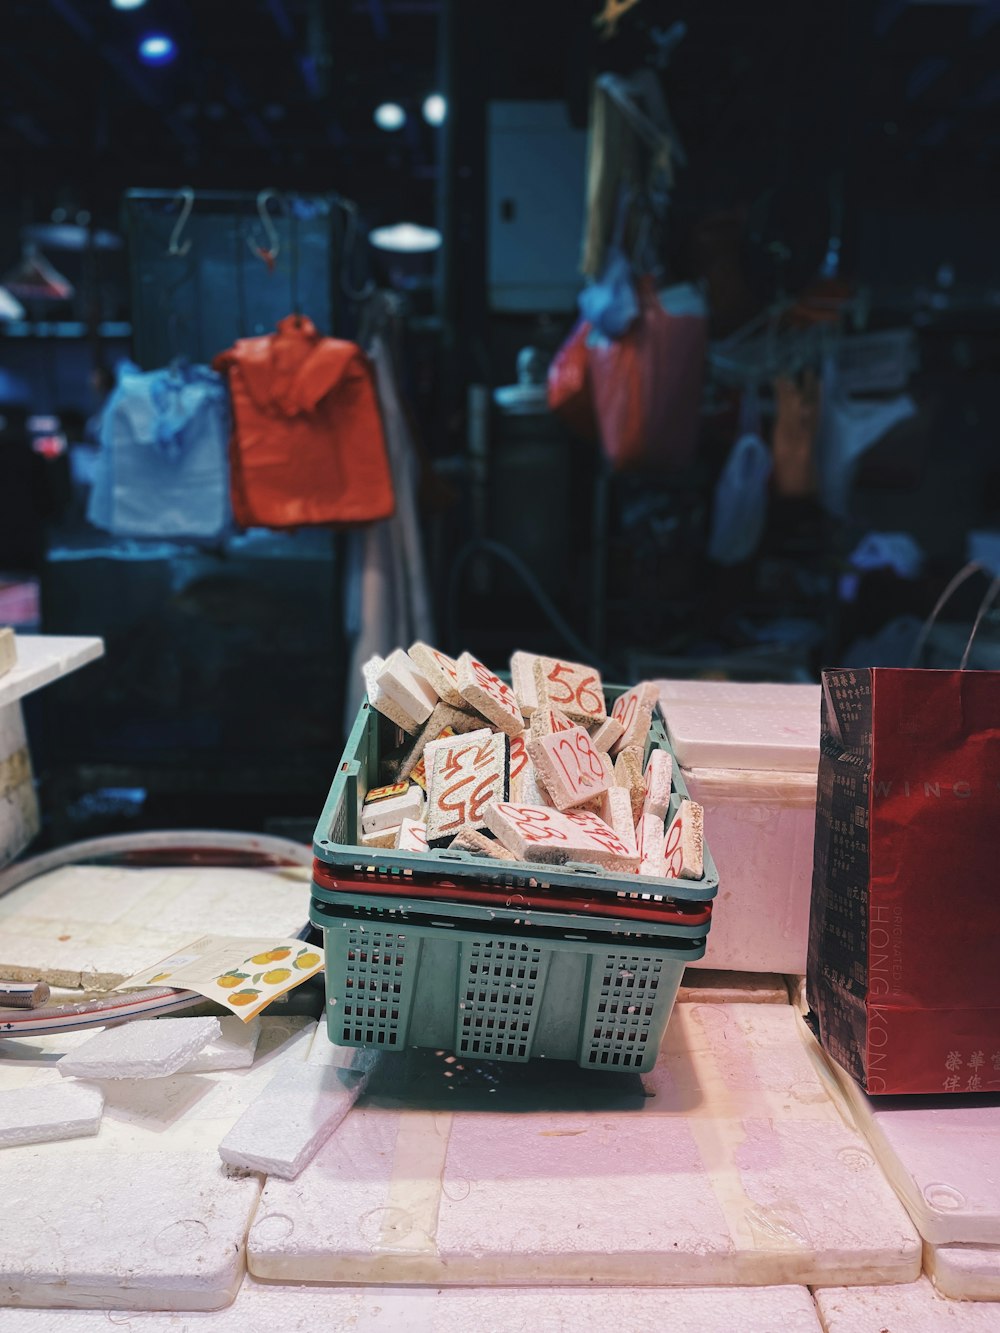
[[220, 695]]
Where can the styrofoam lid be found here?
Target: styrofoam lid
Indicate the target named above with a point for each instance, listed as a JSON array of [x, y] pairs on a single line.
[[728, 724], [777, 787]]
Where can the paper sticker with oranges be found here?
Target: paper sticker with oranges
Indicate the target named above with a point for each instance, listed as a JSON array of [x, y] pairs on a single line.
[[221, 968]]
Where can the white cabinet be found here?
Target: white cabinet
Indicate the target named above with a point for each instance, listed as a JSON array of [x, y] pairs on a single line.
[[535, 206], [41, 659]]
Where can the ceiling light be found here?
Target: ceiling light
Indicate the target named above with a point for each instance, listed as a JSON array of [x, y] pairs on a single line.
[[157, 49], [390, 116], [435, 109], [406, 238], [127, 4]]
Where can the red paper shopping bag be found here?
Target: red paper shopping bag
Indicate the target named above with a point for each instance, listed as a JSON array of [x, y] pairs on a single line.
[[903, 977]]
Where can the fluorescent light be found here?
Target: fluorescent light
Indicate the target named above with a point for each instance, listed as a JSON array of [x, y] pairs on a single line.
[[435, 109], [406, 238], [157, 49], [390, 116], [127, 4]]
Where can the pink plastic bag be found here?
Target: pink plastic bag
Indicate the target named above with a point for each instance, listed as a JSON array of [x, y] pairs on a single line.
[[569, 392], [647, 385]]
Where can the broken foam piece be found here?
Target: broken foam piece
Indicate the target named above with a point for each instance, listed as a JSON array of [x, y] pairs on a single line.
[[649, 836], [390, 811], [411, 836], [471, 840], [144, 1048], [234, 1048], [440, 670], [545, 721], [42, 1113], [659, 780], [522, 679], [489, 695], [628, 774], [408, 689], [380, 701], [634, 710], [294, 1116], [606, 733]]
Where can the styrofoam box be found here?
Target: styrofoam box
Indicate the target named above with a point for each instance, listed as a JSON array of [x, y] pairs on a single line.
[[913, 1308], [305, 1309], [726, 724], [942, 1156], [749, 755], [965, 1272]]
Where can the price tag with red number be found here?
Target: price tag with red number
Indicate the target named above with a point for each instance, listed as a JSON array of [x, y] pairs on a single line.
[[465, 775], [537, 833], [571, 770], [634, 710], [574, 689]]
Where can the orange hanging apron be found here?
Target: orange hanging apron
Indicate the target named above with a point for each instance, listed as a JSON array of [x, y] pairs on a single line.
[[307, 444]]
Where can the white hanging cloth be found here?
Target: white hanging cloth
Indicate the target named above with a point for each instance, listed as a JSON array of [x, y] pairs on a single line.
[[387, 601], [848, 427]]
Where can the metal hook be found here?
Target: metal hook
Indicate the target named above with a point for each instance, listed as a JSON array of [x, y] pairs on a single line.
[[174, 247], [351, 237], [273, 249]]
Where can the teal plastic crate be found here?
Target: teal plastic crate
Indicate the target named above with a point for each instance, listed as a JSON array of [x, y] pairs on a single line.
[[481, 992], [336, 838]]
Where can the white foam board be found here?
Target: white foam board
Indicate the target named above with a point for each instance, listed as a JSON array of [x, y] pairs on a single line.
[[39, 1115], [913, 1308], [104, 1229], [942, 1157], [728, 1165], [146, 1048], [233, 1048], [260, 1306], [143, 1215], [44, 658], [724, 724], [96, 926], [296, 1113], [965, 1272]]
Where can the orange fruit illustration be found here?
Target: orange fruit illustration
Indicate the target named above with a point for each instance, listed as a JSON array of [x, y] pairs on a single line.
[[261, 958], [228, 981], [277, 974], [244, 997], [306, 960], [160, 976], [279, 953]]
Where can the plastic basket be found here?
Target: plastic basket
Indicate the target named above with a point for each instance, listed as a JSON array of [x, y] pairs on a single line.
[[546, 909], [336, 837], [394, 982]]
